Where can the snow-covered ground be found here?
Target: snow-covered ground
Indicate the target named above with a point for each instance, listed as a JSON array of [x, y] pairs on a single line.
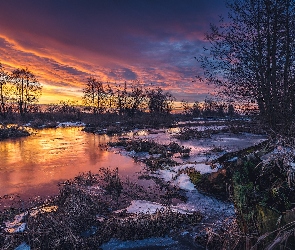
[[200, 147], [197, 202], [19, 225], [202, 152]]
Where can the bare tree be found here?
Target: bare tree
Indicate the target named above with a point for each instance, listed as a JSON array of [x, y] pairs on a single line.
[[230, 110], [94, 95], [252, 57], [160, 101], [122, 97], [185, 107], [27, 89], [137, 99], [110, 98], [196, 109], [4, 79], [210, 107]]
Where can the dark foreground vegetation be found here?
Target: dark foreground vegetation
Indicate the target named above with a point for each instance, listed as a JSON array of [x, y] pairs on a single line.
[[86, 214], [12, 132]]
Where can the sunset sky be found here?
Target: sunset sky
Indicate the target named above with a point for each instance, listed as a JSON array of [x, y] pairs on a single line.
[[65, 41]]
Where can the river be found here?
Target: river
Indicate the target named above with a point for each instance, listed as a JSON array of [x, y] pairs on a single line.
[[34, 165]]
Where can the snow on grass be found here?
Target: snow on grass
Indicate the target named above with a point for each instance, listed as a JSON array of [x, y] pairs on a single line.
[[183, 182], [148, 207], [18, 226], [233, 159], [208, 206], [286, 153], [167, 174], [70, 124], [141, 206], [201, 167]]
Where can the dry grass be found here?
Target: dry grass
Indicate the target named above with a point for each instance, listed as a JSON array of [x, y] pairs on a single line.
[[84, 217]]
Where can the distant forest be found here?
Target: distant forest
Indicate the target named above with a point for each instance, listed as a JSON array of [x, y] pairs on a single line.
[[20, 91]]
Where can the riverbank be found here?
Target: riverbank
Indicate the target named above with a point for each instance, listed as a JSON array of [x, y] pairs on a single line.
[[194, 184], [13, 131], [89, 211]]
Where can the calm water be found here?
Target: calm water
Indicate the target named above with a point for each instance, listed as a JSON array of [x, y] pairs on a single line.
[[33, 165]]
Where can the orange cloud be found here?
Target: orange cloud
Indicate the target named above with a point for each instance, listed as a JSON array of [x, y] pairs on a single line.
[[157, 48]]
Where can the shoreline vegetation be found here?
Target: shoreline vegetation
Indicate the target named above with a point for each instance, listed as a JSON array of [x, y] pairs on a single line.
[[13, 131]]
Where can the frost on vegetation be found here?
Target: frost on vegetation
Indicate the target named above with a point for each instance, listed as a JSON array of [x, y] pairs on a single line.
[[18, 226], [148, 207], [208, 206], [201, 167], [282, 156], [287, 154], [177, 176]]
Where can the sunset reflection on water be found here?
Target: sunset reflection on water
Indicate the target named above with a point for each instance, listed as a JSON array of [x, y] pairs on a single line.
[[34, 165]]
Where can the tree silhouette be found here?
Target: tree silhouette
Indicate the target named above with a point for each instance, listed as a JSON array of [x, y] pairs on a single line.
[[27, 89], [252, 57], [4, 79], [160, 101], [94, 95]]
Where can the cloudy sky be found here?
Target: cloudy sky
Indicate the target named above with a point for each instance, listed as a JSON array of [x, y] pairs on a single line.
[[65, 41]]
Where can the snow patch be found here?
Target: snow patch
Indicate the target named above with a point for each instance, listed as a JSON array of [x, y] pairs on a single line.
[[183, 181], [148, 207], [18, 226], [208, 206], [201, 167], [233, 159], [70, 124]]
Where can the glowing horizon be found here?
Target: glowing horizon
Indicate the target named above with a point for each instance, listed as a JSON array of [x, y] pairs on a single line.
[[63, 43]]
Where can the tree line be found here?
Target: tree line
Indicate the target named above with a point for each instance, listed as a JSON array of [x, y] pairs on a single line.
[[208, 108], [20, 91], [100, 97]]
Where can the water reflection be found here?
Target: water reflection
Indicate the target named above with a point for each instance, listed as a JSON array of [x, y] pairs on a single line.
[[34, 165]]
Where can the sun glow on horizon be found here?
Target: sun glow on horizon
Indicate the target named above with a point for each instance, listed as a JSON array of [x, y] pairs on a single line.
[[63, 56]]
